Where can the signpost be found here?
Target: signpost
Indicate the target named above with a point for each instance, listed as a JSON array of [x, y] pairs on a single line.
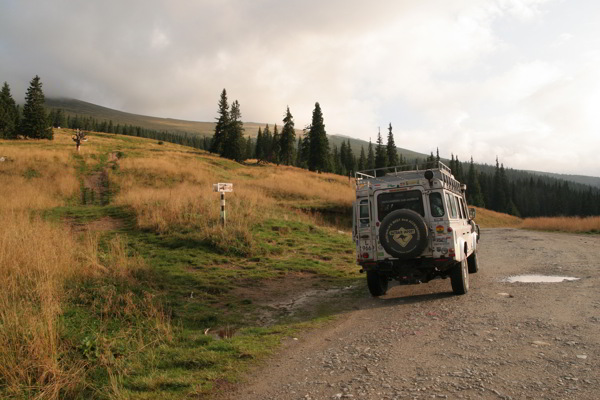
[[222, 188]]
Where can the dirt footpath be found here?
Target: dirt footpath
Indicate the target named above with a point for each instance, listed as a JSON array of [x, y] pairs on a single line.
[[500, 341]]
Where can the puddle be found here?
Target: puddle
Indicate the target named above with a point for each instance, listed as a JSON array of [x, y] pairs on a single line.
[[538, 279]]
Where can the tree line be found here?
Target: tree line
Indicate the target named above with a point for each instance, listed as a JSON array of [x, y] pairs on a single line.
[[514, 192], [311, 151], [523, 194]]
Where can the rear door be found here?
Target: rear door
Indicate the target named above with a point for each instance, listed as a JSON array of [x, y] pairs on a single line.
[[410, 198]]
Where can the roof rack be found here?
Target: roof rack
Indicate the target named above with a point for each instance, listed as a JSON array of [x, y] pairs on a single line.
[[410, 171]]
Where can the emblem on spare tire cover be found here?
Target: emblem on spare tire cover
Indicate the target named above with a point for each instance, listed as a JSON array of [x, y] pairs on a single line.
[[403, 234]]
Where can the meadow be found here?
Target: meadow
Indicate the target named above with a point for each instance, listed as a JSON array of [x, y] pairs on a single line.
[[120, 282]]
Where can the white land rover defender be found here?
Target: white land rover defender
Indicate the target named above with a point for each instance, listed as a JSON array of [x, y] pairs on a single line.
[[414, 226]]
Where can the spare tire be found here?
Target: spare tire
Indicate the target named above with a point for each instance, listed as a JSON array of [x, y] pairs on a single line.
[[403, 234]]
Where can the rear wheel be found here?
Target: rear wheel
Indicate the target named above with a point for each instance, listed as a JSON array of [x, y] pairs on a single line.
[[459, 277], [377, 283], [473, 263]]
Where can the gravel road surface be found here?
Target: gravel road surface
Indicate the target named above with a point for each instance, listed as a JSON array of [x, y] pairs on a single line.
[[500, 341]]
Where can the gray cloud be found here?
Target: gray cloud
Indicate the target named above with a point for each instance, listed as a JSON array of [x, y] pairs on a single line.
[[513, 78]]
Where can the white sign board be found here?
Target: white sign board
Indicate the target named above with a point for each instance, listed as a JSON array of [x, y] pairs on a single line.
[[223, 187]]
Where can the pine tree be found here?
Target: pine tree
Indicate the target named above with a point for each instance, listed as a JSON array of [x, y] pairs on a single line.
[[299, 154], [350, 162], [287, 139], [498, 193], [362, 160], [276, 146], [249, 153], [57, 118], [233, 144], [9, 114], [437, 154], [343, 159], [474, 194], [370, 156], [259, 150], [35, 122], [319, 145], [267, 144], [221, 125], [305, 148], [336, 162], [392, 151], [380, 154]]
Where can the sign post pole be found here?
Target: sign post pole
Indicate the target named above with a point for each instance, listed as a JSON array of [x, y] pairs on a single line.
[[223, 208], [222, 188]]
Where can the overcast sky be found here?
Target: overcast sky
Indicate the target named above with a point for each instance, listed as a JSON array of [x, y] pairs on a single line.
[[517, 79]]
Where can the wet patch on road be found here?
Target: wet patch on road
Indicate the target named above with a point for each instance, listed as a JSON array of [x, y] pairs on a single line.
[[539, 279]]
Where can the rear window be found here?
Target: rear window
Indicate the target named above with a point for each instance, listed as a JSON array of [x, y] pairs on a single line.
[[388, 202]]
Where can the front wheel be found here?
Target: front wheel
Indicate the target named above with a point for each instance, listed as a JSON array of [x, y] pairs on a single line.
[[377, 283], [459, 277], [473, 263]]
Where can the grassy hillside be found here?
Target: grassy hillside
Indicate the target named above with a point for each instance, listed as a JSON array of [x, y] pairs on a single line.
[[492, 219], [119, 282], [77, 107]]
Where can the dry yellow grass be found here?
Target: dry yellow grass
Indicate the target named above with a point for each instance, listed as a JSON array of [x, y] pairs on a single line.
[[563, 224], [36, 259], [172, 190], [289, 183], [33, 178], [492, 219]]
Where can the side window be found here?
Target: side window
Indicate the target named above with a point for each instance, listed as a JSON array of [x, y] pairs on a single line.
[[454, 208], [437, 205], [461, 213], [464, 209], [363, 210], [450, 200]]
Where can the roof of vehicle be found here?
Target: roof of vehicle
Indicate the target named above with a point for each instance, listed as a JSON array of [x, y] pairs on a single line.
[[400, 174]]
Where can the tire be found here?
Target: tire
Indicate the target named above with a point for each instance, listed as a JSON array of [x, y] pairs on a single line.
[[473, 263], [377, 283], [403, 234], [459, 277]]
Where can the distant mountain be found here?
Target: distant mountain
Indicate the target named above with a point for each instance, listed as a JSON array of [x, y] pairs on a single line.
[[583, 179]]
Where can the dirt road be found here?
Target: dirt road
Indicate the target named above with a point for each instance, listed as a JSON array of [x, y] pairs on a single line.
[[500, 341]]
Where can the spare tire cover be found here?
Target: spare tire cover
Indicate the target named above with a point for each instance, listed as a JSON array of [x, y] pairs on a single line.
[[403, 234]]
